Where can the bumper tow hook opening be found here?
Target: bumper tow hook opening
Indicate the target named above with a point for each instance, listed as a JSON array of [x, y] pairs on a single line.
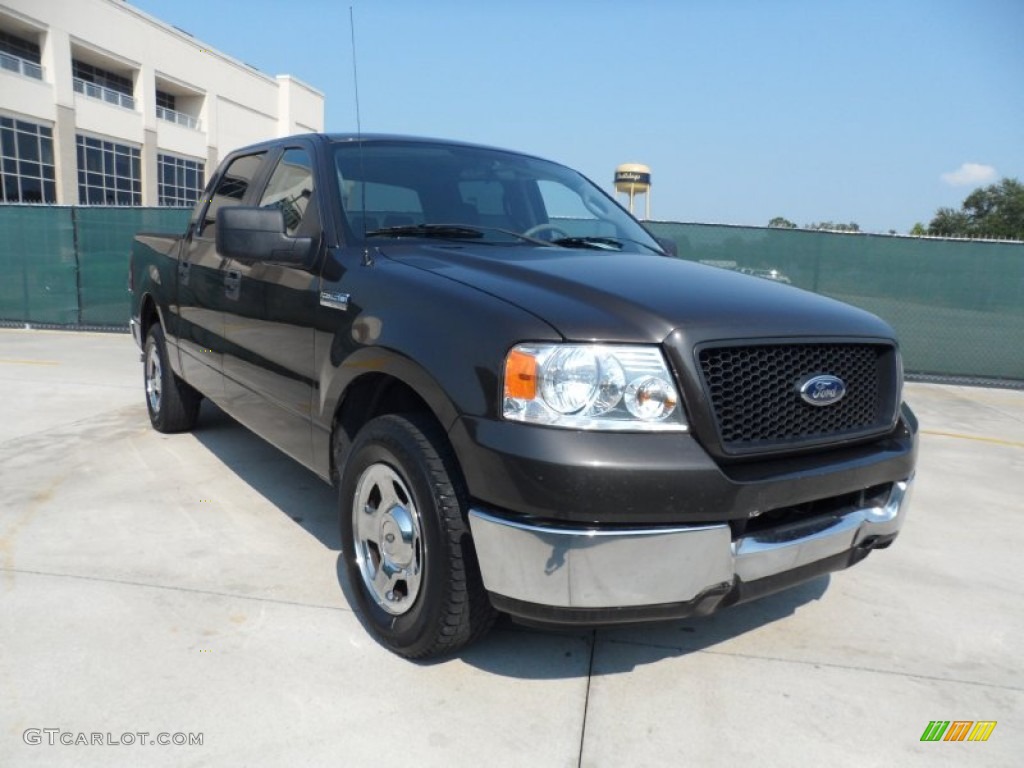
[[876, 542]]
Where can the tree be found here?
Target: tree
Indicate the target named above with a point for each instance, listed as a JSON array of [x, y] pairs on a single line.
[[950, 223], [994, 211], [834, 227], [918, 229], [780, 222]]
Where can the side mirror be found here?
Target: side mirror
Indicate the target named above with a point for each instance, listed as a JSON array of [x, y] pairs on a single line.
[[257, 234]]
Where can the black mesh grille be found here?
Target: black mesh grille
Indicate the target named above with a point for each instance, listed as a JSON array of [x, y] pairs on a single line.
[[755, 396]]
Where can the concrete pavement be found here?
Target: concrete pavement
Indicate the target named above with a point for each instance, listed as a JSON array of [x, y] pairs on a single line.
[[190, 585]]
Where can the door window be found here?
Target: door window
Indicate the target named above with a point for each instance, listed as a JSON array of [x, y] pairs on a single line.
[[230, 189], [290, 188]]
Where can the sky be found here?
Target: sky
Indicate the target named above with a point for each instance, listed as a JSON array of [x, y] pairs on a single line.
[[815, 110]]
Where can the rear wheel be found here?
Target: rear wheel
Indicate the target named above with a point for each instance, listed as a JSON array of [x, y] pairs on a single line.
[[172, 404], [406, 540]]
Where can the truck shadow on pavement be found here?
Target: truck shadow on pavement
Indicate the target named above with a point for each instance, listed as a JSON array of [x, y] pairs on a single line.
[[614, 650], [623, 649], [524, 652], [510, 650], [282, 481]]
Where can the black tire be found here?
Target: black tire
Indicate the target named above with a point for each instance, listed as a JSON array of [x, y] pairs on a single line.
[[172, 404], [406, 474]]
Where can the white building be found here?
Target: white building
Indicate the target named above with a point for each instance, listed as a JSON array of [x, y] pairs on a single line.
[[101, 103]]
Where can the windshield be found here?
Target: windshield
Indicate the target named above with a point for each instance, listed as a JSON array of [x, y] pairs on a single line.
[[399, 189]]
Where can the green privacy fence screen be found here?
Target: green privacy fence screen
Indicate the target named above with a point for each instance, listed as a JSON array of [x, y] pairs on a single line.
[[38, 265], [104, 240], [69, 265], [958, 306]]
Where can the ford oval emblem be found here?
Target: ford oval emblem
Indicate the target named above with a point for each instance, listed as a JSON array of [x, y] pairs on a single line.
[[823, 390]]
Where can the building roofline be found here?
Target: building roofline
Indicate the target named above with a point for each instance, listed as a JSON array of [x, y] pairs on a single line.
[[188, 37], [301, 83]]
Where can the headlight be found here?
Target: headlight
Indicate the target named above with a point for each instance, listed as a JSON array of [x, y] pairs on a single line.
[[592, 386]]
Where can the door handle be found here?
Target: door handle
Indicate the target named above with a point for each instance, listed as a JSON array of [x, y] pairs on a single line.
[[232, 284]]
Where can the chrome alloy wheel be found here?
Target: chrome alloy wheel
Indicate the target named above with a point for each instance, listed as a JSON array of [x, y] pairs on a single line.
[[153, 372], [388, 539]]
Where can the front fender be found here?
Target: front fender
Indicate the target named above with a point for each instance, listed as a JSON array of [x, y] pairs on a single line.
[[444, 340], [337, 380]]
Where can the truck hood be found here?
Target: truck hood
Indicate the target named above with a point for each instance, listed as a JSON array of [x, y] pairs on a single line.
[[630, 297]]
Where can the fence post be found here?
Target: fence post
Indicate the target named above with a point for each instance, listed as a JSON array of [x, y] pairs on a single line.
[[24, 273], [78, 262]]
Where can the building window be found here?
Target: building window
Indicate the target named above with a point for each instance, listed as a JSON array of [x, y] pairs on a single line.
[[26, 162], [180, 181], [97, 83], [165, 100], [20, 47], [101, 77], [20, 55], [108, 173], [167, 109]]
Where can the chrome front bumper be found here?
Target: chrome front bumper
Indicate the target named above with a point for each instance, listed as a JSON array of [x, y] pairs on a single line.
[[592, 568]]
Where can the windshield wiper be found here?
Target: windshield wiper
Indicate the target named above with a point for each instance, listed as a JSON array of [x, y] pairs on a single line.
[[444, 231], [450, 232], [603, 243], [597, 243]]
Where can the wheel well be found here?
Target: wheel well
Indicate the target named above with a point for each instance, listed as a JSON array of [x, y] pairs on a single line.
[[369, 396], [148, 316]]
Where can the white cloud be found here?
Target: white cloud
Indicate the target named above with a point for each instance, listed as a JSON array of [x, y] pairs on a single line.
[[970, 175]]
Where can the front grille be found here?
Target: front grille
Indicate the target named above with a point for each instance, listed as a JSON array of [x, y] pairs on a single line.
[[754, 393]]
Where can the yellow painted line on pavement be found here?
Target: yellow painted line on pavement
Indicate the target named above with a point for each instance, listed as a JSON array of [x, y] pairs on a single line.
[[29, 362], [995, 440]]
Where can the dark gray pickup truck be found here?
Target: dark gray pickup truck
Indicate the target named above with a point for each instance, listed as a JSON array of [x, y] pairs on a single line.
[[526, 404]]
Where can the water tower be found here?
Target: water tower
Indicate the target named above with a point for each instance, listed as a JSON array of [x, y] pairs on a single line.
[[634, 179]]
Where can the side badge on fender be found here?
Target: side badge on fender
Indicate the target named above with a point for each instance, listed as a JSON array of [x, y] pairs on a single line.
[[334, 300]]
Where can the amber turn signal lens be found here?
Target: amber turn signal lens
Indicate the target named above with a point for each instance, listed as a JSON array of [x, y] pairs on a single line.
[[520, 375]]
